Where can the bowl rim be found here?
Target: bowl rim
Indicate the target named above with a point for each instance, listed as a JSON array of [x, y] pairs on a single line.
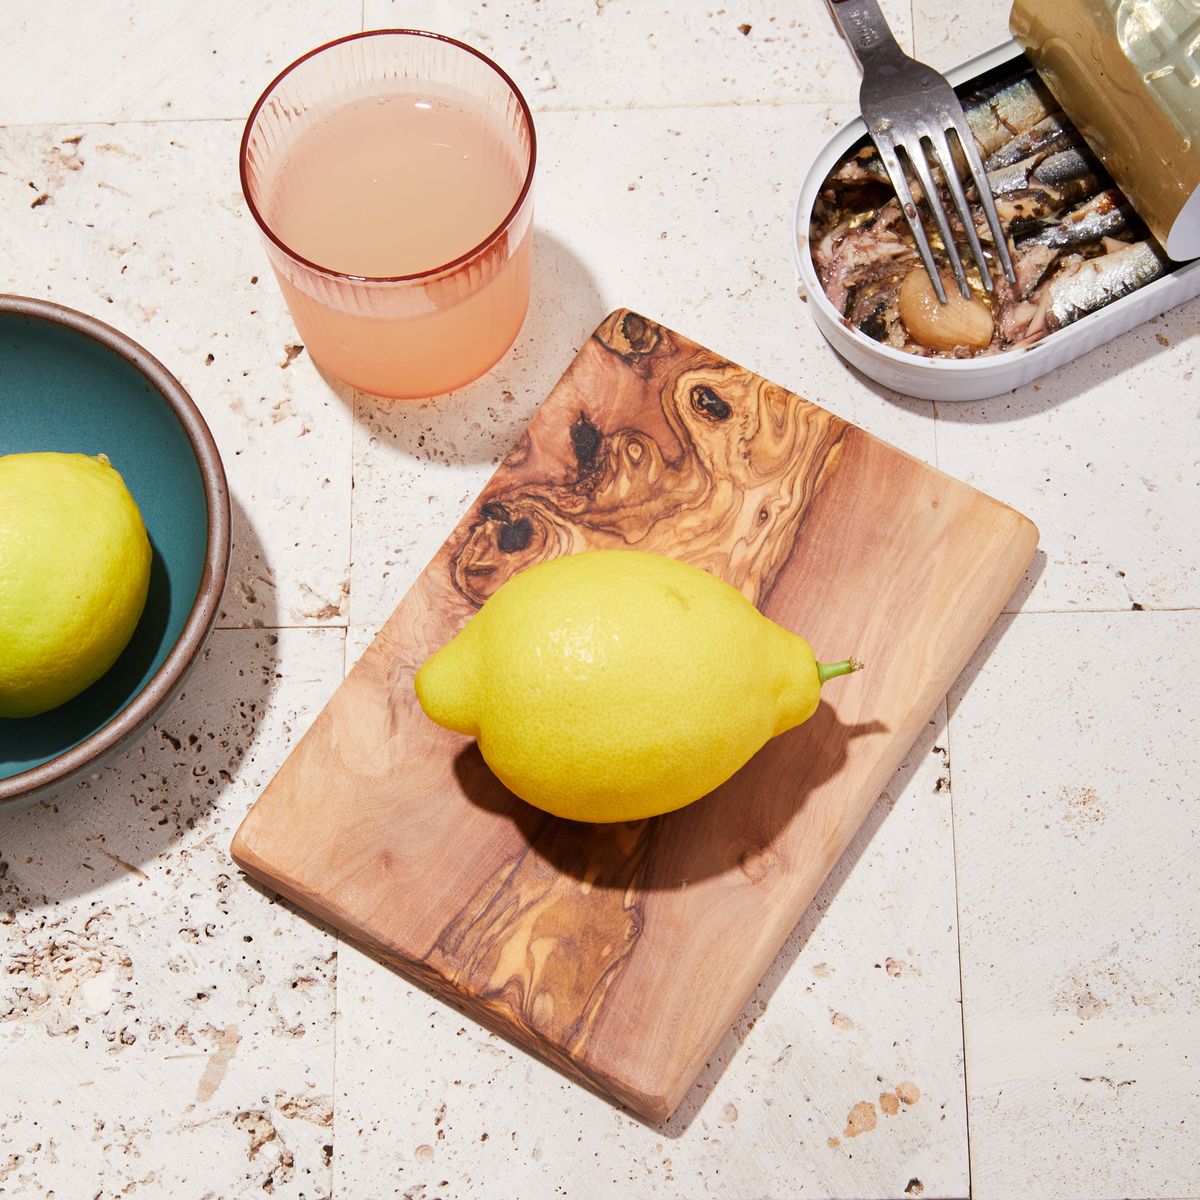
[[161, 687]]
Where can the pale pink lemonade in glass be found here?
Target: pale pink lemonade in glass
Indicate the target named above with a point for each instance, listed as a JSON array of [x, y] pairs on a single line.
[[399, 219]]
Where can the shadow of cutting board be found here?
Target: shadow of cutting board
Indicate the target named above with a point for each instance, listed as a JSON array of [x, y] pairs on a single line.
[[624, 953]]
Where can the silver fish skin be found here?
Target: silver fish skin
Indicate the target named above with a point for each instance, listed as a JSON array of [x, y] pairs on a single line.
[[1065, 170], [996, 115], [1067, 167], [1054, 132], [1071, 232], [1028, 194], [1087, 286], [1100, 281], [1104, 215], [1050, 188]]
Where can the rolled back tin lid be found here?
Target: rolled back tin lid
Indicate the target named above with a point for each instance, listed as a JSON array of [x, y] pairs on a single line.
[[1127, 73]]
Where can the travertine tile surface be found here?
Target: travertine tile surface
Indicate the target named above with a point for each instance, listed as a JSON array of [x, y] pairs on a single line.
[[165, 1027], [1090, 457], [143, 226], [173, 1031], [626, 53], [946, 35], [167, 61], [1077, 825]]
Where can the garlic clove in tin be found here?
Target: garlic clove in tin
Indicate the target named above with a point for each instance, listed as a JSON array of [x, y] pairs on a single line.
[[958, 322]]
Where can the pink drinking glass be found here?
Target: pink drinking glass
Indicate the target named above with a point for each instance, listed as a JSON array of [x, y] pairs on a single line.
[[406, 335]]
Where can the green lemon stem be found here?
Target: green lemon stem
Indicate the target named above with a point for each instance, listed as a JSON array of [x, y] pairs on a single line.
[[832, 670]]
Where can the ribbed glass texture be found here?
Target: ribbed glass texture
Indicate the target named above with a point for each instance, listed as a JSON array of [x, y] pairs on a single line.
[[411, 335]]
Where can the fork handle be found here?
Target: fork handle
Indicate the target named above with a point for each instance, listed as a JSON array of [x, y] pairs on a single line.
[[866, 31]]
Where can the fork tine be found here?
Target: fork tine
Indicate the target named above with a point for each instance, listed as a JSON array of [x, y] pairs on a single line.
[[891, 162], [958, 122], [933, 199], [945, 157], [898, 97]]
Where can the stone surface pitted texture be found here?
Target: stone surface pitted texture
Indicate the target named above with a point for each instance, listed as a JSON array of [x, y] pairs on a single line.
[[1010, 944]]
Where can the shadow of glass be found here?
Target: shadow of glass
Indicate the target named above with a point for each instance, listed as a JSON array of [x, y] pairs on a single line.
[[159, 787], [478, 423]]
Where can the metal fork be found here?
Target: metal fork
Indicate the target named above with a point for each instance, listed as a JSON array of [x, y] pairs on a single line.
[[911, 107]]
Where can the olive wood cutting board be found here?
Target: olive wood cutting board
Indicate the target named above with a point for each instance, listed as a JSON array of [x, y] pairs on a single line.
[[623, 953]]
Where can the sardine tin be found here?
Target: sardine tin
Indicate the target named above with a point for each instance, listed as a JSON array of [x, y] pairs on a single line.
[[988, 375]]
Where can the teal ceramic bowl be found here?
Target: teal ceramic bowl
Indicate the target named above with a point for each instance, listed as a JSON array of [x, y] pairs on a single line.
[[71, 383]]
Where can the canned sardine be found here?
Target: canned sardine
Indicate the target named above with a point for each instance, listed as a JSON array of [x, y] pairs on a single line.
[[1076, 243]]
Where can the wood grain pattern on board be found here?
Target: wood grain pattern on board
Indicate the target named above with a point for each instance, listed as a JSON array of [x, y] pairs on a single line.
[[624, 953]]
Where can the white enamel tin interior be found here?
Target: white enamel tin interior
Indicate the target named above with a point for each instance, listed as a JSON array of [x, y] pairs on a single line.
[[970, 378]]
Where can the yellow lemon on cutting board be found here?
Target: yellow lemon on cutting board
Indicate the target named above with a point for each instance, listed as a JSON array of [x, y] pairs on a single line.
[[614, 684], [74, 573]]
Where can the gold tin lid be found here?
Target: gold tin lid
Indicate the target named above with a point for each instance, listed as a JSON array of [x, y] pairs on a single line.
[[1127, 74]]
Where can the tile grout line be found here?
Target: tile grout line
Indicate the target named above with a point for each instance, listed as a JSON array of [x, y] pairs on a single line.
[[847, 102], [350, 532], [954, 840], [1096, 612], [1006, 612], [337, 937], [962, 1002], [962, 1007], [273, 628]]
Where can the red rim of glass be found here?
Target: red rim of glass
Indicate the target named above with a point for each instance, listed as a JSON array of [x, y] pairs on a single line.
[[419, 275]]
